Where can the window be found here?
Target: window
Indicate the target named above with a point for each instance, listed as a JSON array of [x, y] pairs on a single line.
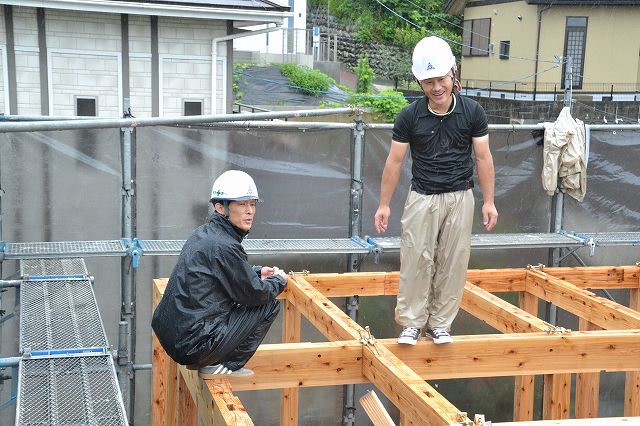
[[192, 108], [475, 37], [504, 49], [86, 107], [575, 40]]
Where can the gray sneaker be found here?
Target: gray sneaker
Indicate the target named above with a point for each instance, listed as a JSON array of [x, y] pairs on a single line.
[[440, 336], [409, 336], [218, 371]]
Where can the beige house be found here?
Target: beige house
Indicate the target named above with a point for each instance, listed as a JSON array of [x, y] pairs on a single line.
[[503, 38]]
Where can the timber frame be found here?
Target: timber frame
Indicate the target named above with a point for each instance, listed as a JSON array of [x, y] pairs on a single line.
[[608, 339]]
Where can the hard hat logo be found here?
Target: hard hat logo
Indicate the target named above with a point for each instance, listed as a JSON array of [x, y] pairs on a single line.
[[234, 185], [432, 57]]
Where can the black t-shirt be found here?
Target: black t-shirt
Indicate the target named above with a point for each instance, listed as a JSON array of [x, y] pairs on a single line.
[[441, 145]]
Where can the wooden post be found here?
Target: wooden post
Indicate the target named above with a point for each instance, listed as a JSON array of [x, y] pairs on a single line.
[[290, 396], [524, 388], [164, 393], [587, 385], [632, 380], [188, 412], [557, 396]]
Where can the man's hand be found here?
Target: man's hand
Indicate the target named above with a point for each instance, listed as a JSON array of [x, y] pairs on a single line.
[[381, 219], [268, 271], [489, 216]]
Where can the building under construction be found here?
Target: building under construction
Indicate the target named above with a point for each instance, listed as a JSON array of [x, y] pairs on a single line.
[[94, 210]]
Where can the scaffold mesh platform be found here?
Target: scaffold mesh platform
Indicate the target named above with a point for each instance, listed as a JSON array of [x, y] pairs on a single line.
[[500, 241], [41, 267], [80, 390], [59, 314], [66, 374], [64, 249]]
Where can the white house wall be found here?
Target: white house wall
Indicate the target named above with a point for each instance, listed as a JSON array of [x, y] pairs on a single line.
[[84, 59], [272, 42], [4, 87], [185, 68], [27, 61], [140, 66]]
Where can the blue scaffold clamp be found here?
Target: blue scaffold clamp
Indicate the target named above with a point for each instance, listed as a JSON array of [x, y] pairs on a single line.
[[134, 249], [375, 248]]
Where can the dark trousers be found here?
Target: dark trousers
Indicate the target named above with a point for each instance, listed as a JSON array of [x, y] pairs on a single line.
[[246, 328]]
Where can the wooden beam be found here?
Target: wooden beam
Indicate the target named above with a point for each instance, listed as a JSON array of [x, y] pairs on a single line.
[[330, 320], [215, 403], [607, 421], [632, 379], [163, 387], [279, 366], [290, 396], [598, 277], [501, 315], [415, 398], [583, 303], [295, 365], [498, 355], [524, 386], [587, 385], [375, 410]]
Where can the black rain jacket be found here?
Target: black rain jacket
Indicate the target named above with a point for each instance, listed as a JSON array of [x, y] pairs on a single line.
[[212, 276]]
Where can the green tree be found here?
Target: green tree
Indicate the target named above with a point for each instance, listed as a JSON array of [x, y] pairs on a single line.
[[365, 74]]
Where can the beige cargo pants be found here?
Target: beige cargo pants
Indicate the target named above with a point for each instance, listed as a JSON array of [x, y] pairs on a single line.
[[434, 255]]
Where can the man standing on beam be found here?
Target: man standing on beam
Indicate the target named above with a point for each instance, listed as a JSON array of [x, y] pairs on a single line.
[[441, 130]]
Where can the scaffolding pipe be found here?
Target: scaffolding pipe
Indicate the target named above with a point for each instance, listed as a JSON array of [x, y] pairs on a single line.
[[123, 361], [127, 268], [106, 123], [10, 283], [10, 362], [296, 125], [355, 228]]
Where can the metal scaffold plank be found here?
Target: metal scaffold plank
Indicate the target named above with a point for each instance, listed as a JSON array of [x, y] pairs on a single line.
[[314, 245], [80, 390], [64, 249], [500, 241], [59, 314]]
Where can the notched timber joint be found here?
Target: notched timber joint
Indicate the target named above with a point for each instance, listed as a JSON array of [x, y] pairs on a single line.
[[367, 339]]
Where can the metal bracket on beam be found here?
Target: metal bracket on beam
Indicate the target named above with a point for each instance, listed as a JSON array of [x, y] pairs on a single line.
[[367, 339], [539, 267]]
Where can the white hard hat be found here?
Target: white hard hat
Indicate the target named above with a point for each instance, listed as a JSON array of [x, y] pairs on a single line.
[[432, 57], [234, 185]]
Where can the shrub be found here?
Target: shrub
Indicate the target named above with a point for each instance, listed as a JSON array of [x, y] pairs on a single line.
[[386, 104], [306, 79]]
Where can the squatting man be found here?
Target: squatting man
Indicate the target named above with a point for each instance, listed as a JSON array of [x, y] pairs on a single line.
[[441, 130], [217, 308]]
